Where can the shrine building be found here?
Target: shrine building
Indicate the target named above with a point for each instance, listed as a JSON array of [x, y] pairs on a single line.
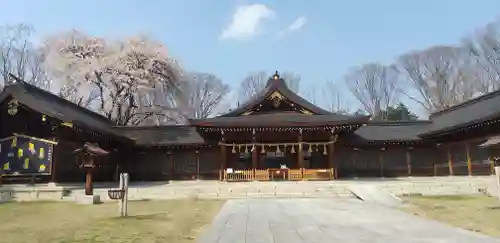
[[277, 135]]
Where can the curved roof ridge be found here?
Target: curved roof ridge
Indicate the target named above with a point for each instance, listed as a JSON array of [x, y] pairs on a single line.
[[398, 123], [486, 96], [276, 83]]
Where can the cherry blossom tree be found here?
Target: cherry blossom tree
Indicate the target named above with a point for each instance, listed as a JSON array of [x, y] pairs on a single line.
[[117, 78]]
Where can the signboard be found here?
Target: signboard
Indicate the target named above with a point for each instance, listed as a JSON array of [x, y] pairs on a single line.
[[21, 155]]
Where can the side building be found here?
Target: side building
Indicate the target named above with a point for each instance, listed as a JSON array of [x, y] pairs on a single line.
[[276, 135]]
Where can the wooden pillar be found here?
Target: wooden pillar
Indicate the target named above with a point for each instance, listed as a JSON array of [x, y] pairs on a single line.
[[408, 160], [53, 163], [381, 160], [492, 166], [331, 150], [354, 154], [255, 154], [55, 155], [450, 160], [300, 155], [223, 162], [469, 160], [171, 163], [89, 189], [197, 164]]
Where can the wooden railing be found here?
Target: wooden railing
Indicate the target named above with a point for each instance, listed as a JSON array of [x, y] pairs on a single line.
[[318, 174], [239, 175], [261, 175], [295, 174], [264, 175]]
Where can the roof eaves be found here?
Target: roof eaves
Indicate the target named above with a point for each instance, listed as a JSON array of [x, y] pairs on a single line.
[[466, 103], [458, 126]]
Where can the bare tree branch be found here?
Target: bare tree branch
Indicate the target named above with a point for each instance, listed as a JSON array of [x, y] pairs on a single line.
[[485, 47], [374, 86], [335, 98], [312, 94], [441, 76], [292, 81], [253, 83], [206, 92], [19, 57]]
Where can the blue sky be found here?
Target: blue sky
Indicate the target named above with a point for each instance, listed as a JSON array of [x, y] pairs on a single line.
[[328, 38]]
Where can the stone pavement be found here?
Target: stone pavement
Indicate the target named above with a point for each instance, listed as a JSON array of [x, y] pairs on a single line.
[[373, 194], [325, 220]]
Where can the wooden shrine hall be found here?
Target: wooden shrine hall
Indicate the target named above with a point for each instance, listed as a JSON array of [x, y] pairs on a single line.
[[277, 135]]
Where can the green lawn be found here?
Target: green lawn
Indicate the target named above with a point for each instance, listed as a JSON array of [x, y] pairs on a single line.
[[475, 213], [171, 221]]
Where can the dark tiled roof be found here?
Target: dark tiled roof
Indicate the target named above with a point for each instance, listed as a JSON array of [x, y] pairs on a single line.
[[475, 110], [162, 135], [392, 131], [56, 107], [279, 119], [280, 86]]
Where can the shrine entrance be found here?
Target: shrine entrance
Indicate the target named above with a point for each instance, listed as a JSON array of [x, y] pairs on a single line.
[[275, 160]]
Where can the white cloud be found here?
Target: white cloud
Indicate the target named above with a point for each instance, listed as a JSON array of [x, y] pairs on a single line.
[[246, 22], [294, 26]]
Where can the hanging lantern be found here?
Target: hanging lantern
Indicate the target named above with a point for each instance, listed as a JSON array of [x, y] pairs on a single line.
[[239, 148], [310, 149], [324, 149], [234, 149], [278, 149], [263, 149], [293, 149], [44, 118], [246, 149]]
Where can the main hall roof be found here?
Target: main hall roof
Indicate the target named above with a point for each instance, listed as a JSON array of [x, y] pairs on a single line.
[[486, 107]]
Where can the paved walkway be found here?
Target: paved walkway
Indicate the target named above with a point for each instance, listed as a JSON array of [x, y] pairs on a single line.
[[325, 220]]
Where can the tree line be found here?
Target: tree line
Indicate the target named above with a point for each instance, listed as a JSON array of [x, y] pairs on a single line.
[[135, 81]]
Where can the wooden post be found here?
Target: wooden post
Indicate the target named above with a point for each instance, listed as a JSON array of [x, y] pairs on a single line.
[[354, 158], [469, 160], [408, 161], [300, 155], [450, 160], [197, 164], [497, 179], [88, 182], [123, 203], [223, 155], [492, 167], [255, 153], [381, 159], [53, 163], [172, 164], [330, 157], [331, 149]]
